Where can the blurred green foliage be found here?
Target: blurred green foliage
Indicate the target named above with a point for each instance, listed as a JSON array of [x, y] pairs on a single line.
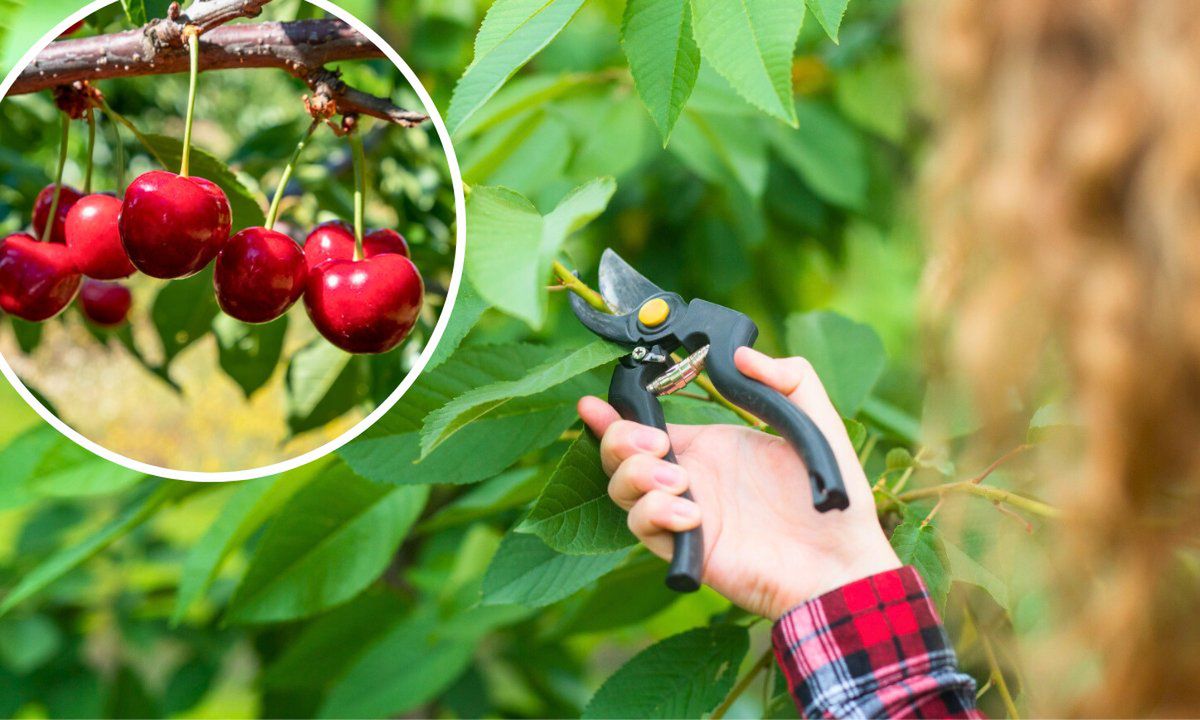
[[460, 559]]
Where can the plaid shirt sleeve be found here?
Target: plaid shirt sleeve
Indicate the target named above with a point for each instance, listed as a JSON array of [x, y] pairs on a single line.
[[873, 648]]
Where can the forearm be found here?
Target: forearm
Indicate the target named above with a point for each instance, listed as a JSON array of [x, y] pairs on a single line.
[[873, 648]]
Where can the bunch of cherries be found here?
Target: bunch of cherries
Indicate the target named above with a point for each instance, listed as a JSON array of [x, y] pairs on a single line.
[[362, 291]]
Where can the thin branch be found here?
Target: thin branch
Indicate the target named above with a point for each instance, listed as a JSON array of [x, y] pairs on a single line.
[[302, 49], [985, 491], [746, 680], [995, 673]]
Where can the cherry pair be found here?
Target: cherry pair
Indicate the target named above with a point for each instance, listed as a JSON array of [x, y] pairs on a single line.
[[38, 281], [168, 227], [367, 305]]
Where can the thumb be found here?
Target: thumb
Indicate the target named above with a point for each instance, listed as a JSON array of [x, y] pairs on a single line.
[[795, 378]]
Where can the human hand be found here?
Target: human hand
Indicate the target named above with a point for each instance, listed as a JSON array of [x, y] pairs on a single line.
[[765, 547]]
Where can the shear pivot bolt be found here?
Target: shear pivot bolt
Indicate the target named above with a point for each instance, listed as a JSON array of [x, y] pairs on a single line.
[[654, 312]]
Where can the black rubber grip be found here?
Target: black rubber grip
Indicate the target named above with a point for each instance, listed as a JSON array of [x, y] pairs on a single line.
[[627, 393], [725, 332]]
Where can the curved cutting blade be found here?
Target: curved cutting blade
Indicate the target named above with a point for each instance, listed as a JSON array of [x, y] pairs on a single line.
[[623, 288]]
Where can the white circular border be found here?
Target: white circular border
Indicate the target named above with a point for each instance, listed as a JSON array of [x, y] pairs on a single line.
[[422, 361]]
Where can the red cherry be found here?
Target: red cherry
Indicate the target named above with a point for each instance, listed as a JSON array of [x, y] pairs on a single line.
[[260, 274], [72, 30], [41, 211], [173, 226], [94, 238], [334, 240], [365, 306], [37, 280], [105, 303], [378, 242]]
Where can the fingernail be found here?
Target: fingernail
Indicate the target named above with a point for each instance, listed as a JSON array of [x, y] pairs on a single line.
[[649, 439], [670, 477], [686, 510]]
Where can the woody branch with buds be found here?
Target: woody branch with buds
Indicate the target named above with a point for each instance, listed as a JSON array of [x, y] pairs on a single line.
[[302, 48]]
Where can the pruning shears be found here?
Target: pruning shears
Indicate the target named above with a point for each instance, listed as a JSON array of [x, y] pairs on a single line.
[[654, 323]]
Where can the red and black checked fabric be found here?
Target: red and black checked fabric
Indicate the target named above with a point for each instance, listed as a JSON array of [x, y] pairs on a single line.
[[873, 648]]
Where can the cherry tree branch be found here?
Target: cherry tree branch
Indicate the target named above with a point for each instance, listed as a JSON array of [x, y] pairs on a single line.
[[302, 48]]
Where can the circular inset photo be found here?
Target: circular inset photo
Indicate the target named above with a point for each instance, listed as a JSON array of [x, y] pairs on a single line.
[[229, 235]]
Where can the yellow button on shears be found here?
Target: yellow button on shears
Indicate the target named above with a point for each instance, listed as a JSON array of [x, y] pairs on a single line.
[[654, 312]]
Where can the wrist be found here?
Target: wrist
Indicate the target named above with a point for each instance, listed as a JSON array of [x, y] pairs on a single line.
[[855, 561]]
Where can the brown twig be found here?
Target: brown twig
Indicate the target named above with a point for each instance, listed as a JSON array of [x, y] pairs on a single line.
[[302, 48]]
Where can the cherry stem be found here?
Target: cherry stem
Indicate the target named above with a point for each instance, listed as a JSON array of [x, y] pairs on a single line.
[[91, 152], [194, 49], [360, 191], [119, 152], [63, 141], [141, 137], [273, 213]]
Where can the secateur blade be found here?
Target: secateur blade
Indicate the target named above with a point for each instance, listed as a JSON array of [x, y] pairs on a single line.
[[614, 328], [623, 288], [624, 291]]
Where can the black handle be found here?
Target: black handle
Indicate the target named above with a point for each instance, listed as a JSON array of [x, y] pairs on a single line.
[[726, 331], [628, 394]]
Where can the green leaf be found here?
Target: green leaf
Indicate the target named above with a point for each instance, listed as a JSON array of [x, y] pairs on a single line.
[[751, 42], [513, 31], [27, 643], [135, 10], [389, 450], [848, 356], [183, 312], [683, 410], [42, 463], [244, 513], [574, 514], [68, 470], [628, 595], [921, 546], [526, 571], [413, 662], [857, 432], [468, 308], [506, 491], [249, 354], [898, 458], [875, 95], [140, 11], [243, 202], [514, 245], [323, 383], [332, 540], [20, 460], [518, 99], [663, 57], [686, 675], [72, 556], [718, 148], [328, 645], [609, 130], [828, 154], [965, 568], [829, 13], [450, 418], [28, 334]]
